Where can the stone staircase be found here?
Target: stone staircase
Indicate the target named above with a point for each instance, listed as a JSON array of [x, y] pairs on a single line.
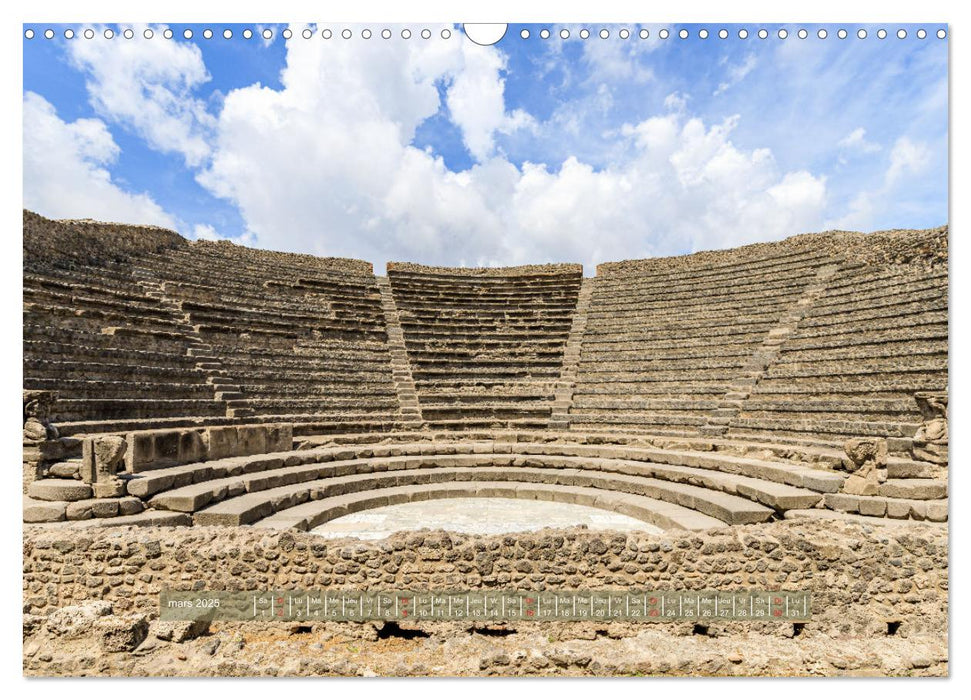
[[667, 338], [201, 352], [763, 357], [869, 342], [563, 391], [400, 367], [485, 345]]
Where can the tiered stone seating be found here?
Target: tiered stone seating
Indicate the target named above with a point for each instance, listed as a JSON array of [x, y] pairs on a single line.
[[686, 483], [94, 336], [485, 345], [288, 336], [669, 341], [692, 392], [875, 337], [673, 488]]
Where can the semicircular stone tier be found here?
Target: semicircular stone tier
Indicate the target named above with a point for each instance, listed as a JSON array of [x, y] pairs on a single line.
[[698, 391]]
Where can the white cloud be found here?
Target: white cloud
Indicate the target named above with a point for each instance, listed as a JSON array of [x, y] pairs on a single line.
[[325, 165], [906, 161], [146, 85], [476, 100], [856, 141], [736, 73], [207, 232], [65, 170], [613, 60], [677, 101], [906, 158]]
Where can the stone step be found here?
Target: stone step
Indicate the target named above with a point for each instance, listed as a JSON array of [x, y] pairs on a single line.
[[147, 518], [823, 514], [903, 468], [253, 507], [104, 508], [190, 487], [915, 489], [660, 513], [38, 511], [59, 490], [396, 471], [881, 506], [67, 469]]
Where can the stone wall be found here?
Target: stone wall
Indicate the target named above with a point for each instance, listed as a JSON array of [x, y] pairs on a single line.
[[548, 269], [154, 449], [275, 257], [928, 247], [862, 578], [82, 242]]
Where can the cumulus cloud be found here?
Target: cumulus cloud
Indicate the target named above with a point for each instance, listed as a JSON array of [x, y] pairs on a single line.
[[326, 164], [476, 100], [66, 170], [906, 158], [147, 85]]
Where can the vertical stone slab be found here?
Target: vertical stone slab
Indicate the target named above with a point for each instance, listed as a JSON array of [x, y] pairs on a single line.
[[221, 442], [141, 451], [252, 440], [89, 473], [279, 437], [167, 444], [191, 447]]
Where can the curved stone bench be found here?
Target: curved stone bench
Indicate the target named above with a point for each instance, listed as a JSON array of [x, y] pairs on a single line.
[[255, 505], [762, 479], [665, 515]]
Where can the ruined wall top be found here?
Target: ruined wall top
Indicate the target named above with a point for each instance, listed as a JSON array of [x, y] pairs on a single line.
[[70, 242], [47, 241], [926, 248], [81, 241], [274, 257], [517, 271]]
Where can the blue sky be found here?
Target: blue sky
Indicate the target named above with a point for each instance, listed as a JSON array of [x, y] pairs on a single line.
[[442, 151]]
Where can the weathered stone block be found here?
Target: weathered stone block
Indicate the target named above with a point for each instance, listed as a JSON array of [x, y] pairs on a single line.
[[873, 506], [859, 486], [191, 447], [59, 490], [43, 511], [118, 634], [221, 442], [76, 620], [863, 451], [167, 443], [179, 631], [842, 502], [113, 488], [252, 439], [898, 509], [141, 451], [65, 470], [279, 437], [93, 508], [937, 512]]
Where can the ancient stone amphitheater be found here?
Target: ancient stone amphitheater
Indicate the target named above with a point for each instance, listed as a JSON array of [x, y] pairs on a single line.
[[200, 385], [176, 382]]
